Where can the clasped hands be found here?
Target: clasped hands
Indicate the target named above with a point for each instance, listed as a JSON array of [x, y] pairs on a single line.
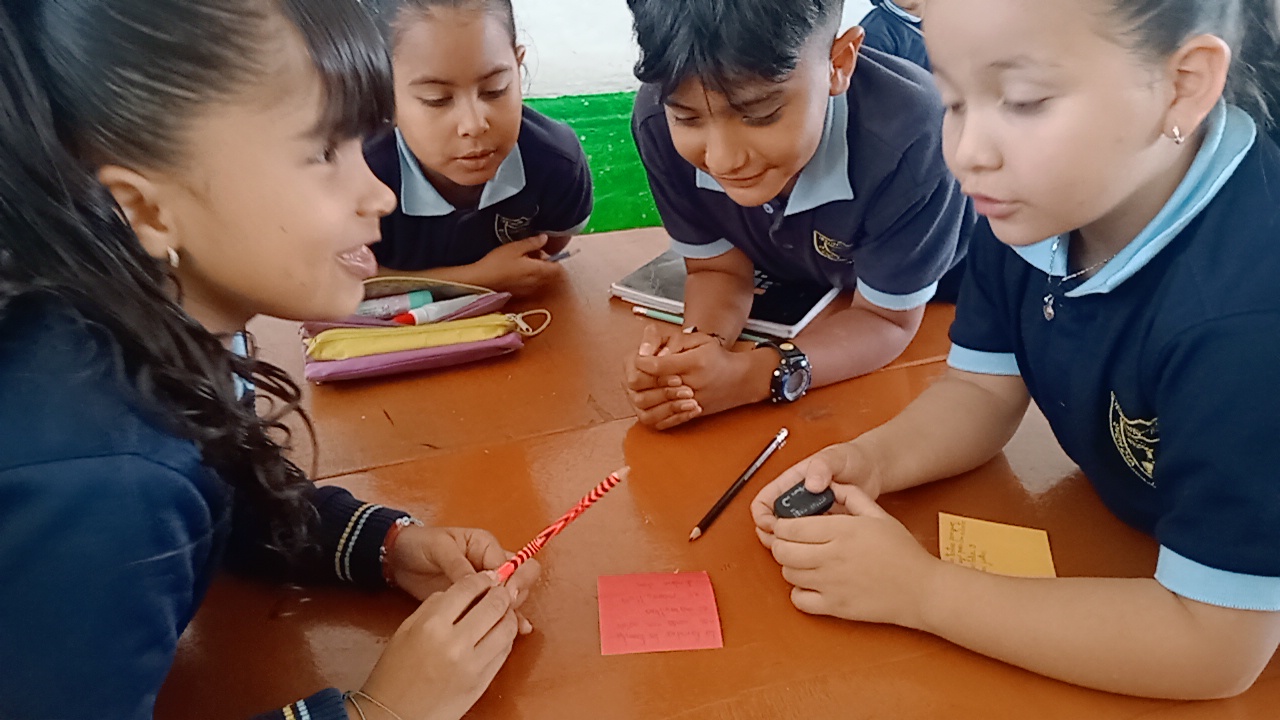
[[676, 376]]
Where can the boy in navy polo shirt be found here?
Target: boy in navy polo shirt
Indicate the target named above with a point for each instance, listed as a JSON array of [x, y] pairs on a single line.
[[487, 188], [894, 26], [765, 149]]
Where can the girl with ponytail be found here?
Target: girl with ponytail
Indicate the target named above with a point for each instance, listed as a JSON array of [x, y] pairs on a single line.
[[168, 170], [1125, 280]]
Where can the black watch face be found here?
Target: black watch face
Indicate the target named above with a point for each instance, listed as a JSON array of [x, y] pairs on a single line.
[[792, 378], [795, 384]]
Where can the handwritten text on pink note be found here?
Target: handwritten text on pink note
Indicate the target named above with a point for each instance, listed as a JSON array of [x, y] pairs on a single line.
[[653, 612]]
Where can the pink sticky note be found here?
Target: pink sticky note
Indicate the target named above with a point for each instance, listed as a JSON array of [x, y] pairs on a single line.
[[654, 612]]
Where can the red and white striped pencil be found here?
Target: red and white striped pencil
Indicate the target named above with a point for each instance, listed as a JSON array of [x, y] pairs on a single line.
[[536, 544]]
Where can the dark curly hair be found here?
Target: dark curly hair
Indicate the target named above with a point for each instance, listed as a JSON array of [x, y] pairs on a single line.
[[87, 82]]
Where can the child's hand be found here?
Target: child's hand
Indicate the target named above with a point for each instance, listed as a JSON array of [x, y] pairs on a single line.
[[674, 342], [443, 657], [423, 557], [719, 378], [843, 463], [861, 566], [518, 267], [660, 402]]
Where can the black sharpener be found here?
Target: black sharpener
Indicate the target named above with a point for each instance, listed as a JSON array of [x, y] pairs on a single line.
[[798, 502]]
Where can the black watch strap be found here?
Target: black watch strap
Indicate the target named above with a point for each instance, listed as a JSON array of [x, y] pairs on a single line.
[[790, 380]]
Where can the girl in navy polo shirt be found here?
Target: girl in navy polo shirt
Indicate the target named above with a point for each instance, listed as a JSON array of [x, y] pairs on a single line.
[[894, 26], [1125, 280], [169, 169], [488, 188]]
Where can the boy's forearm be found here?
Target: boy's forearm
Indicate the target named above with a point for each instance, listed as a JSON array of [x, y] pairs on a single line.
[[957, 424], [718, 301], [1121, 635], [853, 342]]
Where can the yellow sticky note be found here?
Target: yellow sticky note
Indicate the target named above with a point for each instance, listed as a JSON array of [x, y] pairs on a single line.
[[994, 547]]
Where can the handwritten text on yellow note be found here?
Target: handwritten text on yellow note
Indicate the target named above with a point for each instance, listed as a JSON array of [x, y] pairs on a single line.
[[994, 547]]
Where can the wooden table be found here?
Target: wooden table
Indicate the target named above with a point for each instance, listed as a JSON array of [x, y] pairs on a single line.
[[508, 445]]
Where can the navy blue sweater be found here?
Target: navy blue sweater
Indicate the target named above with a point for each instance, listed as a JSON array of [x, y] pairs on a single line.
[[113, 529]]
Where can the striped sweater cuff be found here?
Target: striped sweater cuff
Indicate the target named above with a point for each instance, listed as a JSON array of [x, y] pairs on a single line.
[[324, 705], [352, 532]]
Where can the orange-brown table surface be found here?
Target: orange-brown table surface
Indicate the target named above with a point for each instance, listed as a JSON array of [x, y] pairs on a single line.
[[567, 378], [510, 445]]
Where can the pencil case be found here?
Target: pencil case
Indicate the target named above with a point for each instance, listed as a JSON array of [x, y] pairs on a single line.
[[366, 347], [486, 301]]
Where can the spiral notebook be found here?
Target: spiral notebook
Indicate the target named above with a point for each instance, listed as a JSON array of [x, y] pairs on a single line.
[[780, 309]]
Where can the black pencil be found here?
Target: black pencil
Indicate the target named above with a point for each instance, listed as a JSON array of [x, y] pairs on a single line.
[[778, 441]]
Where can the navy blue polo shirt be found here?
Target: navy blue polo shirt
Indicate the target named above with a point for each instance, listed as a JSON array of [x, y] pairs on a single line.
[[544, 185], [114, 528], [893, 30], [875, 209], [1159, 375]]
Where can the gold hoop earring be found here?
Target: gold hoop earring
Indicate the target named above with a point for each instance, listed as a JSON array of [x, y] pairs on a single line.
[[174, 260], [1178, 139]]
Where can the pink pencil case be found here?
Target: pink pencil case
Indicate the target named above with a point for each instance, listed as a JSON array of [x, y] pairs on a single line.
[[394, 363], [364, 347]]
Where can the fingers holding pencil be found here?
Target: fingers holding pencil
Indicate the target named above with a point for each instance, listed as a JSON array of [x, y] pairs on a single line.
[[528, 551]]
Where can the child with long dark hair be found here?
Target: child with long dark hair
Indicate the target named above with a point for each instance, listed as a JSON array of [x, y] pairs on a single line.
[[168, 170]]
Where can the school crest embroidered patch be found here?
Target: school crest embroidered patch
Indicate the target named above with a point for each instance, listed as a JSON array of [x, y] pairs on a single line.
[[1136, 440], [830, 248], [510, 230]]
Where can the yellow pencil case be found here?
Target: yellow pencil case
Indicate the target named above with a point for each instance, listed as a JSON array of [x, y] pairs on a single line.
[[361, 347], [348, 343]]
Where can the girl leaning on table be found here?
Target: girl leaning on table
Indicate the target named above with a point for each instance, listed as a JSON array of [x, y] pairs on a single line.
[[168, 170], [489, 189], [1125, 279]]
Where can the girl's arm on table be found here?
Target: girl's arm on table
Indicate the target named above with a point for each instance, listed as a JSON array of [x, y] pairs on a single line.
[[957, 424], [1122, 635]]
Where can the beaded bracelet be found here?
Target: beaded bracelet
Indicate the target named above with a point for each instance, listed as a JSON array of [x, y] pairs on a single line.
[[389, 542]]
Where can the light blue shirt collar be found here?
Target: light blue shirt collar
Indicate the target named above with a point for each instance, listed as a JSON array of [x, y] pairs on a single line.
[[1229, 136], [893, 8], [419, 198], [825, 179]]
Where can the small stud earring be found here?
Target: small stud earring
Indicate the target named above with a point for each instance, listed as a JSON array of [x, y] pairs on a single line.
[[1178, 139], [174, 260]]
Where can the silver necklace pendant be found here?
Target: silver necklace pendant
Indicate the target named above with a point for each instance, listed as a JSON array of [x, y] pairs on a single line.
[[1049, 312]]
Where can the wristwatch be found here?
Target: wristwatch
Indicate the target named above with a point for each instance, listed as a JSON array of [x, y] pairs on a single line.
[[792, 377]]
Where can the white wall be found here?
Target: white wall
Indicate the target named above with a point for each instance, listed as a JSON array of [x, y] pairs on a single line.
[[582, 47]]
